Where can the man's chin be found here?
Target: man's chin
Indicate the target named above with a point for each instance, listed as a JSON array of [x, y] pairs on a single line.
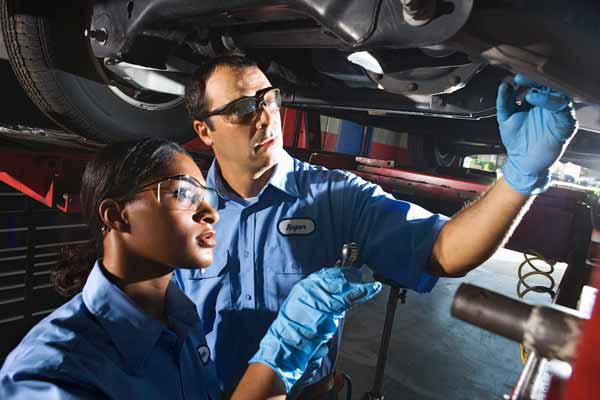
[[269, 156], [265, 162]]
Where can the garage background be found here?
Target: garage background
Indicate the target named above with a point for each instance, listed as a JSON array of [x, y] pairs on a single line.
[[31, 236]]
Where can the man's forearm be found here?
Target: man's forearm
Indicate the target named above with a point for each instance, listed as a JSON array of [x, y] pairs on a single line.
[[474, 234], [259, 383]]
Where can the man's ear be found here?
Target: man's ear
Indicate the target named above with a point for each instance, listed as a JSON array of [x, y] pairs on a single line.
[[203, 131], [113, 216]]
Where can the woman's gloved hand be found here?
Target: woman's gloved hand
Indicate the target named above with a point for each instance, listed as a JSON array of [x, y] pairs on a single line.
[[308, 318], [534, 134]]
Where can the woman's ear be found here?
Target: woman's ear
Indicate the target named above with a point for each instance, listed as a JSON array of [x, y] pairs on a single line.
[[112, 216], [203, 131]]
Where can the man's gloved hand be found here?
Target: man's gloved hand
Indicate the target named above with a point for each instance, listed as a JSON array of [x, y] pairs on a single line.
[[535, 135], [308, 318]]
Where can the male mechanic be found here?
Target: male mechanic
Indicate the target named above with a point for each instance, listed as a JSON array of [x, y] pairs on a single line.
[[282, 218]]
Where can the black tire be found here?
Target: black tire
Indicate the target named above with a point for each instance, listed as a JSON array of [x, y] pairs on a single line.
[[54, 64], [425, 152]]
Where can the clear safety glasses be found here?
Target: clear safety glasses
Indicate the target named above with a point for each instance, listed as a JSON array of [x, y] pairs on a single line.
[[246, 109], [181, 192]]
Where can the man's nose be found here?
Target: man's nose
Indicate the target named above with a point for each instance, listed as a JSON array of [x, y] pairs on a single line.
[[264, 116]]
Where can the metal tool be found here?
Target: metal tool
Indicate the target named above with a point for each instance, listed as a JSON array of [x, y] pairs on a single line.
[[349, 254], [349, 257]]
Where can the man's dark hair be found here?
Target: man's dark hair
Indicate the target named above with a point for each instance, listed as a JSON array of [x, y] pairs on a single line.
[[195, 91], [116, 172]]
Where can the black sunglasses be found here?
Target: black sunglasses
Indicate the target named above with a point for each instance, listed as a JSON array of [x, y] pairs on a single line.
[[246, 109]]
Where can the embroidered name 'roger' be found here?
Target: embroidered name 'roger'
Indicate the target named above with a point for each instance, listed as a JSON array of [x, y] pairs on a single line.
[[296, 226]]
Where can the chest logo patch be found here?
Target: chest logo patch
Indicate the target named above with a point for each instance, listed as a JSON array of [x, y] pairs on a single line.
[[204, 353], [296, 226]]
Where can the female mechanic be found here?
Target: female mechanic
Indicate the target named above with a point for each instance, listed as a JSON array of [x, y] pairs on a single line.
[[129, 333]]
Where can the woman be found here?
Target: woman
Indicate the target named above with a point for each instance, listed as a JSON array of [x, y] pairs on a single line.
[[131, 333]]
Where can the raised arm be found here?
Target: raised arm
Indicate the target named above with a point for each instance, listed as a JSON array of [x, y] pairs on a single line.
[[535, 135]]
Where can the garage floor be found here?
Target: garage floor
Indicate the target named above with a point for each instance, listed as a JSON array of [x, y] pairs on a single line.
[[432, 355]]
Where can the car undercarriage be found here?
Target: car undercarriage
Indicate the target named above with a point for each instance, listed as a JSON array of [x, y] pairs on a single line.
[[116, 69]]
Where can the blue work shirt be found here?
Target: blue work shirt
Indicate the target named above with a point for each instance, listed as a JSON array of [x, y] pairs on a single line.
[[295, 226], [101, 345]]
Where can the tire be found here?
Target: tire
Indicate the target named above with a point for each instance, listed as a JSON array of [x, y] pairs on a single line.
[[425, 152], [55, 66]]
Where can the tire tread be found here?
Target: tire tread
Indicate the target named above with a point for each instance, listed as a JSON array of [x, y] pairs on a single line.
[[27, 42]]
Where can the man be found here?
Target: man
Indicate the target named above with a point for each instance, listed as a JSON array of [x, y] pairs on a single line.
[[282, 218]]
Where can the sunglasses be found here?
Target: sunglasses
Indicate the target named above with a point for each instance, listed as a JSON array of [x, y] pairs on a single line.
[[181, 192], [246, 109]]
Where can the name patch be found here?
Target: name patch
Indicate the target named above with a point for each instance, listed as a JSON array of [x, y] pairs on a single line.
[[296, 226]]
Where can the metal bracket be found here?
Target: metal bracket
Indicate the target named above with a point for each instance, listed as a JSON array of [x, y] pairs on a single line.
[[428, 81], [163, 81]]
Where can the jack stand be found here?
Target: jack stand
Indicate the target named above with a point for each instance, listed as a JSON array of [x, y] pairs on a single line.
[[396, 293]]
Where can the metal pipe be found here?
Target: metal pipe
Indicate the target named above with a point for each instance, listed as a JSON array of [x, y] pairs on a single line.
[[491, 311], [376, 101], [551, 332]]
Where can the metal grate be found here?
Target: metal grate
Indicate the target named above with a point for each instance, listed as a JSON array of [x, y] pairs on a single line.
[[31, 237]]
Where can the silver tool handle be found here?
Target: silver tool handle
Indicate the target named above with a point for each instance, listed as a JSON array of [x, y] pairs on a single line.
[[349, 254]]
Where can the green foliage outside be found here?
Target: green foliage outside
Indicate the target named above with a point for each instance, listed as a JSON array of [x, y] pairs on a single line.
[[485, 165]]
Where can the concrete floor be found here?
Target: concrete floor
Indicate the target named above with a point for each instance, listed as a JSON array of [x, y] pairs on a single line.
[[432, 355]]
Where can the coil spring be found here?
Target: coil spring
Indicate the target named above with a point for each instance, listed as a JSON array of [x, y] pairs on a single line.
[[523, 287]]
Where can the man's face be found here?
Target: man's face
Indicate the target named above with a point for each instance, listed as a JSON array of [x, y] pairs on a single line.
[[254, 146]]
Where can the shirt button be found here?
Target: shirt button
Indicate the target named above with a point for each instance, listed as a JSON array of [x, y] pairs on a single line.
[[202, 270], [248, 297], [246, 253]]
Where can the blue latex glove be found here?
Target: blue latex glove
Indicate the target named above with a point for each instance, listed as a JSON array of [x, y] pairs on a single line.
[[534, 135], [308, 318]]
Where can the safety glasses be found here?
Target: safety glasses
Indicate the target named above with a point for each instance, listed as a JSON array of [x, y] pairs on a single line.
[[246, 109], [181, 192]]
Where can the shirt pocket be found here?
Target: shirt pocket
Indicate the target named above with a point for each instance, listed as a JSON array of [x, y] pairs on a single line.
[[283, 273], [289, 261], [281, 285], [210, 289]]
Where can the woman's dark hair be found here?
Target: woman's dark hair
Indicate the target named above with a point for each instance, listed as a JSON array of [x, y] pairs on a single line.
[[115, 172]]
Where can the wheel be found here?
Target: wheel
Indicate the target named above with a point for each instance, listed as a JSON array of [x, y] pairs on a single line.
[[55, 66], [445, 158], [426, 152]]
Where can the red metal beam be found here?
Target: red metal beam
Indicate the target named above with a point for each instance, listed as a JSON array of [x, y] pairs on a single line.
[[43, 176], [425, 178]]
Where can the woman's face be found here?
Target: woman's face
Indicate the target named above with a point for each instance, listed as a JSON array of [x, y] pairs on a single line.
[[164, 233]]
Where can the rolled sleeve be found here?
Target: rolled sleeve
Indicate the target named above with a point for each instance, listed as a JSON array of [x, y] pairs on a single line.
[[396, 238]]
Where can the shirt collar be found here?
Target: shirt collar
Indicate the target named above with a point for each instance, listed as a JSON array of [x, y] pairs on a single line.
[[283, 178], [133, 332]]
